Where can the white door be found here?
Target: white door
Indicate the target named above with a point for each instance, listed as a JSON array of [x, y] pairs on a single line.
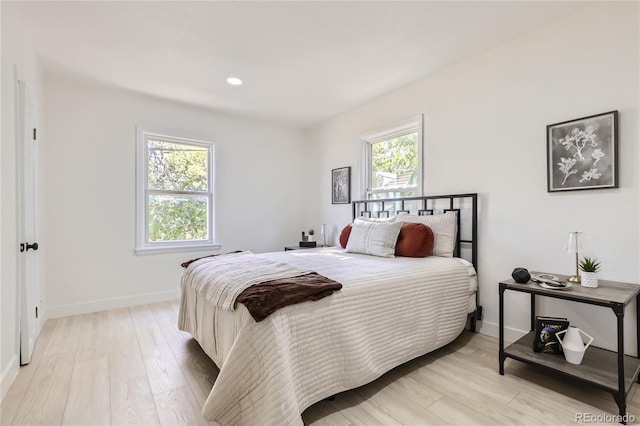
[[27, 178]]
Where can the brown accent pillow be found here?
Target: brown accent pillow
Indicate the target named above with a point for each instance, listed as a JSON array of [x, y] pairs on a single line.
[[344, 235], [415, 240]]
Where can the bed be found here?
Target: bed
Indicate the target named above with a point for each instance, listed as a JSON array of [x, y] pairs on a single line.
[[388, 311]]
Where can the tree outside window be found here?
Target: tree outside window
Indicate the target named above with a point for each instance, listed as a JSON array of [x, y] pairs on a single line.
[[177, 191], [394, 160]]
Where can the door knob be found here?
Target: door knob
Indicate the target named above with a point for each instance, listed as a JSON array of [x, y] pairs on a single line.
[[33, 246]]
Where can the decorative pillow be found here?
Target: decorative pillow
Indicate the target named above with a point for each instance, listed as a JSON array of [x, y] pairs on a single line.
[[374, 238], [344, 235], [444, 228], [376, 219], [415, 240]]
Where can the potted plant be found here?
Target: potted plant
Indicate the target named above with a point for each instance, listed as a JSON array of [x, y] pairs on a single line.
[[311, 235], [589, 268]]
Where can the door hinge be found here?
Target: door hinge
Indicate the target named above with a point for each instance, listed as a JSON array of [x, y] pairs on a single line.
[[34, 134], [36, 312]]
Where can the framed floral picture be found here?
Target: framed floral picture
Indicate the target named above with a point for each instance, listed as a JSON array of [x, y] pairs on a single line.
[[583, 153], [341, 185]]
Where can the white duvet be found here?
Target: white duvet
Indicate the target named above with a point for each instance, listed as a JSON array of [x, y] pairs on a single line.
[[390, 310]]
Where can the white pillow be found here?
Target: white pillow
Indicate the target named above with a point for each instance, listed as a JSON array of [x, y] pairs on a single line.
[[374, 238], [444, 230], [376, 219]]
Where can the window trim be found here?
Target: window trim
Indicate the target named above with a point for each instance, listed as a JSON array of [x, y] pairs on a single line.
[[399, 128], [143, 246]]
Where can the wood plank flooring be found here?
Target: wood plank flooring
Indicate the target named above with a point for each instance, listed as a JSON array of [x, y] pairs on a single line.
[[133, 367]]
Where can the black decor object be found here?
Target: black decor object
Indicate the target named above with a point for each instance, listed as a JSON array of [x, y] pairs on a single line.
[[521, 275]]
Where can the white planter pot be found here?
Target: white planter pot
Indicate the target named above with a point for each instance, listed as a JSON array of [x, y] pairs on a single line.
[[311, 238], [589, 279]]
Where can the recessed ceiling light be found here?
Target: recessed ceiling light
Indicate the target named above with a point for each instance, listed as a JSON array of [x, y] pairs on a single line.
[[234, 81]]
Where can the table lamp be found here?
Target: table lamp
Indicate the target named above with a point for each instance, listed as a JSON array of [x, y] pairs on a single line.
[[323, 231], [574, 245]]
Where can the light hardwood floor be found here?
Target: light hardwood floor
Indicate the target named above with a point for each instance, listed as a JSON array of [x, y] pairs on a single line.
[[133, 366]]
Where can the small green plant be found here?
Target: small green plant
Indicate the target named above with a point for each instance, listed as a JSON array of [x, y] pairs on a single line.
[[588, 264], [312, 232]]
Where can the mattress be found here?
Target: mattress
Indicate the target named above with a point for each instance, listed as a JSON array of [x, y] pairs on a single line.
[[390, 310]]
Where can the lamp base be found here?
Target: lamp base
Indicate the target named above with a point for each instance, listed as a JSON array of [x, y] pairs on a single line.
[[574, 279]]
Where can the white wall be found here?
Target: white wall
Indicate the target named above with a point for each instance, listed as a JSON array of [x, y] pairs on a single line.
[[485, 132], [15, 53], [89, 193]]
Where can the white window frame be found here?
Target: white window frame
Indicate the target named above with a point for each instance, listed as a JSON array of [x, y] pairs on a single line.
[[404, 127], [143, 245]]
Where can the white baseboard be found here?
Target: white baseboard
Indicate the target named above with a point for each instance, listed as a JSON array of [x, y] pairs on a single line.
[[106, 304], [9, 374], [493, 330]]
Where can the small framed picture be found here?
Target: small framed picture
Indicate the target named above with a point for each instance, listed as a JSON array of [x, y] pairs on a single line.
[[341, 185], [583, 153], [545, 339]]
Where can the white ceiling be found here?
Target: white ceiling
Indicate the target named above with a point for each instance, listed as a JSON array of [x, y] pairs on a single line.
[[301, 62]]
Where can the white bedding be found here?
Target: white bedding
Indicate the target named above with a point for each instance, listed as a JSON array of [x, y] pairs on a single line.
[[390, 310]]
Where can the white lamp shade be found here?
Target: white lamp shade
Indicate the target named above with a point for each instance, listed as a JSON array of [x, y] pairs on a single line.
[[576, 242]]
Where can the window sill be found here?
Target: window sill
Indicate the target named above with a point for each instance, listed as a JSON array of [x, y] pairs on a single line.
[[144, 251]]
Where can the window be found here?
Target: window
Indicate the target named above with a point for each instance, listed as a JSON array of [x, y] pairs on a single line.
[[393, 160], [175, 198]]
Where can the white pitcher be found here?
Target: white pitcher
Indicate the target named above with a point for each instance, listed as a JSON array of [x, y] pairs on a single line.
[[573, 345]]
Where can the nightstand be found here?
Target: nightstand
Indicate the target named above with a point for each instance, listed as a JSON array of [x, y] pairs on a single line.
[[613, 372], [287, 248]]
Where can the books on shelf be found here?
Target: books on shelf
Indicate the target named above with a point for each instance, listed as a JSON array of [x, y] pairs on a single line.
[[545, 339]]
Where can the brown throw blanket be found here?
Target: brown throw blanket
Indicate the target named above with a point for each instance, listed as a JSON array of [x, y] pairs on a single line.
[[265, 298]]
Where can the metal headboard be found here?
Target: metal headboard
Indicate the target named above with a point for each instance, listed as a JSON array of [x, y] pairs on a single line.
[[425, 205]]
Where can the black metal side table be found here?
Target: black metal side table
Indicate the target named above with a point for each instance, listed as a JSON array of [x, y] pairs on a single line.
[[611, 371]]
